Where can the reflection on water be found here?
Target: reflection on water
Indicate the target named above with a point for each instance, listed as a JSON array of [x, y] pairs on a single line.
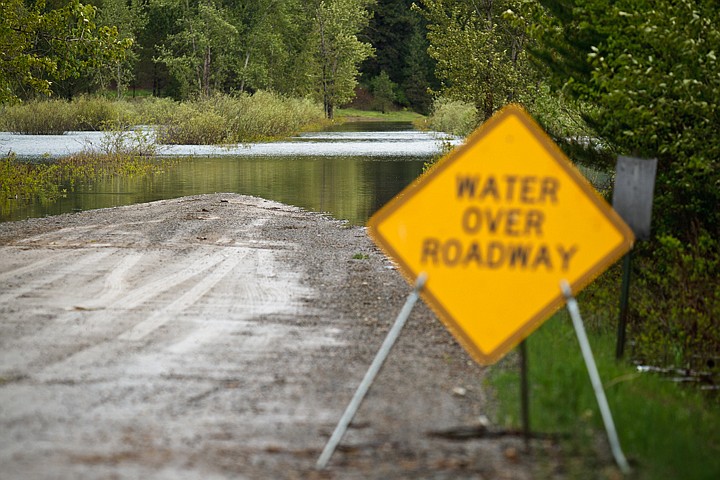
[[347, 187]]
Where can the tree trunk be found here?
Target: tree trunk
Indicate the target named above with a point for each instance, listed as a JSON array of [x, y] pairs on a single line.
[[242, 83], [206, 73]]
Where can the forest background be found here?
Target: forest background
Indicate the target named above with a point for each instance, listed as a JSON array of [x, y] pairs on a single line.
[[604, 78]]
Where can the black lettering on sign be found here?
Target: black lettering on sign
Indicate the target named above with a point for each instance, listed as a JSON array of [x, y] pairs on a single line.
[[496, 254], [466, 186], [566, 255], [451, 252], [430, 251], [527, 189], [490, 189], [542, 257], [518, 255], [548, 190], [514, 222], [473, 254]]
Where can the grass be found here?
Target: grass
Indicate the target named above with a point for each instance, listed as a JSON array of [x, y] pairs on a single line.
[[216, 120], [346, 114], [667, 431]]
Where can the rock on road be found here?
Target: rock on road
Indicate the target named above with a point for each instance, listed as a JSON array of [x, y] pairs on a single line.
[[222, 336]]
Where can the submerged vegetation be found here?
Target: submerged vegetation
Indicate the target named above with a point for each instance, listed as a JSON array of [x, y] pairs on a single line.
[[219, 119], [120, 153]]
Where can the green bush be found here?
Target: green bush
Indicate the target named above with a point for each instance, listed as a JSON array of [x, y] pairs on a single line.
[[676, 285], [191, 124], [453, 116], [55, 117], [94, 113], [154, 110]]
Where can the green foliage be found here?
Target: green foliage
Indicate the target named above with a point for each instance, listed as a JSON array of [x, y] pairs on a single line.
[[397, 33], [194, 125], [154, 110], [384, 91], [129, 18], [122, 154], [650, 70], [49, 117], [45, 49], [338, 49], [224, 119], [667, 430], [55, 117], [480, 50], [453, 116], [20, 181], [198, 54], [677, 288]]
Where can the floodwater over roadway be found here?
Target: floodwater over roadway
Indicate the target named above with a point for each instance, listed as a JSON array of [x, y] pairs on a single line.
[[348, 171]]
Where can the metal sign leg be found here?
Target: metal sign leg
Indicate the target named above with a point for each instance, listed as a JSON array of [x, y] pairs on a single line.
[[574, 310], [371, 373]]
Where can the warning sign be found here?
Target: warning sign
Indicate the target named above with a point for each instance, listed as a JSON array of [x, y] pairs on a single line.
[[496, 225]]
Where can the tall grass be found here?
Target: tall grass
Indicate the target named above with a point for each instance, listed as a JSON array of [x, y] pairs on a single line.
[[49, 117], [227, 119], [55, 117], [221, 119], [668, 431]]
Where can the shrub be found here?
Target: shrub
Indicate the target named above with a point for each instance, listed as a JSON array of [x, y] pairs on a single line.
[[453, 116], [154, 110], [676, 287], [93, 113], [192, 125]]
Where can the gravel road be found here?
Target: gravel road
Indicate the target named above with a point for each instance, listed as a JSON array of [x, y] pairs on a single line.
[[222, 336]]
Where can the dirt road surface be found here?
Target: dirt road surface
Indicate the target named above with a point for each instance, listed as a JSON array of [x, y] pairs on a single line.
[[222, 336]]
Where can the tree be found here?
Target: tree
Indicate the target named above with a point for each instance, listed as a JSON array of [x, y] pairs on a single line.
[[274, 38], [397, 32], [480, 49], [130, 18], [43, 49], [201, 53], [418, 73], [339, 51], [651, 70], [384, 91]]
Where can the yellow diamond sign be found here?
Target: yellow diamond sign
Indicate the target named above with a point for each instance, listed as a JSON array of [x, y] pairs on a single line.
[[496, 225]]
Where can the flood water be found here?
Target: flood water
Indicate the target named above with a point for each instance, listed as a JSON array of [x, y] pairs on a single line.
[[349, 171]]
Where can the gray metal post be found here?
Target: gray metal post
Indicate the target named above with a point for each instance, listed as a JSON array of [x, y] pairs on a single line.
[[624, 301], [574, 310], [525, 394], [371, 373]]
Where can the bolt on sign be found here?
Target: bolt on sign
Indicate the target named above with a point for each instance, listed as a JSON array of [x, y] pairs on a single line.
[[496, 225]]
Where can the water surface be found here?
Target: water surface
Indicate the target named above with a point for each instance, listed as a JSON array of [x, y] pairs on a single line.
[[348, 172]]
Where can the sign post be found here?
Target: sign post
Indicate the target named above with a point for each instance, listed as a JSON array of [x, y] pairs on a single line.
[[632, 199], [506, 215]]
